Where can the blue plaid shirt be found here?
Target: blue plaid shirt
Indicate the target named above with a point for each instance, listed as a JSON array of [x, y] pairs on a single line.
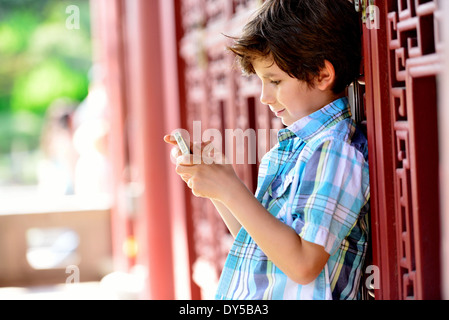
[[316, 180]]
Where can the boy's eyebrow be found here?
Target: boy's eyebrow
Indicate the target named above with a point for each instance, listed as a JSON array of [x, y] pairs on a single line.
[[269, 75]]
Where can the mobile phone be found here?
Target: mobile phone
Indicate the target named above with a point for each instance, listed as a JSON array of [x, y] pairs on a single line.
[[181, 143]]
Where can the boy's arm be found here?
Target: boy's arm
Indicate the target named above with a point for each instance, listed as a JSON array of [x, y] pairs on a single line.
[[231, 222], [300, 260]]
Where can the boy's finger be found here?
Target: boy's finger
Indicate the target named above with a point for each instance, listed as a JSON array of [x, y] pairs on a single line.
[[170, 139], [185, 160], [185, 177], [185, 171], [189, 160], [175, 152]]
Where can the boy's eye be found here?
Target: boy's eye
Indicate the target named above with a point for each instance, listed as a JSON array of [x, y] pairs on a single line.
[[275, 82]]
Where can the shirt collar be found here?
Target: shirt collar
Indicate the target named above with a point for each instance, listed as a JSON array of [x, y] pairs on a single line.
[[309, 126]]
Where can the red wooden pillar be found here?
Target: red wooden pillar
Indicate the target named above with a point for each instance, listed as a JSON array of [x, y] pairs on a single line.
[[380, 134], [136, 45], [444, 147], [145, 61], [107, 34], [174, 106]]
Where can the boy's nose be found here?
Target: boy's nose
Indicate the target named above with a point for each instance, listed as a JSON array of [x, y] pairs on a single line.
[[266, 97]]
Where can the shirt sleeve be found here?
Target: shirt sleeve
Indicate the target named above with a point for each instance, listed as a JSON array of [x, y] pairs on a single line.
[[334, 188]]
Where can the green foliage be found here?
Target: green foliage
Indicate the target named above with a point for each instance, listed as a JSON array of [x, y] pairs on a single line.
[[19, 126], [41, 60], [39, 87]]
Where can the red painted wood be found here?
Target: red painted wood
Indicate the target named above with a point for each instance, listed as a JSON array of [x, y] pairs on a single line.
[[109, 56], [149, 165], [381, 159], [443, 116], [402, 113], [182, 235]]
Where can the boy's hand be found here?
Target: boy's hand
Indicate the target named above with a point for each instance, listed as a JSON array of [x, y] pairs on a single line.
[[204, 171], [302, 261]]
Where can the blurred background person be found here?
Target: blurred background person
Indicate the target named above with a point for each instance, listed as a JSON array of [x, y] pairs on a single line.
[[57, 167], [90, 141]]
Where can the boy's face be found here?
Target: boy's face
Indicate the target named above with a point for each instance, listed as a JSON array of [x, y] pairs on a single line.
[[289, 98]]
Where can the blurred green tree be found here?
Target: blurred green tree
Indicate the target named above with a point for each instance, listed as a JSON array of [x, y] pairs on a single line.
[[41, 60]]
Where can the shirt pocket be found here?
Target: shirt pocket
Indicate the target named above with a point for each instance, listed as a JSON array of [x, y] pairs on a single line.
[[280, 187], [281, 194]]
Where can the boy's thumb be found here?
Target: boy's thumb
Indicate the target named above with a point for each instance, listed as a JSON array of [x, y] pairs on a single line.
[[169, 139]]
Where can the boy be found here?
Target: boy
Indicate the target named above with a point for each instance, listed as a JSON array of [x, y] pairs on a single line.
[[304, 234]]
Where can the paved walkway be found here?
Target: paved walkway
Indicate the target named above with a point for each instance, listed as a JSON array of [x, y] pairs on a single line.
[[80, 291]]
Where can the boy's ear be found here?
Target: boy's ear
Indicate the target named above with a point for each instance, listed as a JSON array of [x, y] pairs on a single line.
[[326, 78]]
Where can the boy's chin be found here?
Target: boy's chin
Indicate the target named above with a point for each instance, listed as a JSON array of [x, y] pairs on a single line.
[[287, 122]]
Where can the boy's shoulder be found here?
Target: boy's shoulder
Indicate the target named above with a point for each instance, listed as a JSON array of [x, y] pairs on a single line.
[[342, 130], [344, 134]]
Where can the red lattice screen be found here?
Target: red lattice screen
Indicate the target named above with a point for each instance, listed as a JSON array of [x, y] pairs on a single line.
[[402, 64]]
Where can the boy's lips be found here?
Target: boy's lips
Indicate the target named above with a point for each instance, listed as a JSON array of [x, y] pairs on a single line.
[[279, 113]]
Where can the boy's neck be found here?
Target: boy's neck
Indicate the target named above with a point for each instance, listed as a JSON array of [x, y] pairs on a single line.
[[331, 98]]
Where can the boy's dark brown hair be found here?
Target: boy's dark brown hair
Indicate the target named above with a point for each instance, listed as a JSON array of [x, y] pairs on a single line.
[[300, 35]]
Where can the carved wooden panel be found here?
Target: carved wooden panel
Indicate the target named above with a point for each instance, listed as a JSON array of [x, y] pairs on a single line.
[[413, 43]]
